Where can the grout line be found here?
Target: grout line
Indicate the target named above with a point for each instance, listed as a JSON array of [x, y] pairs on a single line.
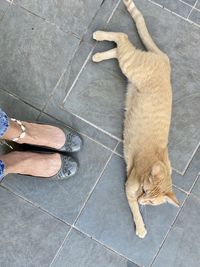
[[119, 155], [195, 4], [60, 248], [4, 12], [162, 243], [88, 57], [93, 188], [188, 193], [191, 158], [104, 245], [46, 20], [35, 205], [83, 134], [182, 1], [20, 99], [192, 186], [43, 112], [177, 171], [93, 125], [79, 73], [99, 143], [194, 23], [116, 147], [191, 10], [193, 194], [112, 13], [172, 12], [54, 89], [180, 189], [198, 9], [154, 3]]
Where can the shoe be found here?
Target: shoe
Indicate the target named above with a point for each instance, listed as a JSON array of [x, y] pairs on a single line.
[[73, 141], [72, 144], [68, 169]]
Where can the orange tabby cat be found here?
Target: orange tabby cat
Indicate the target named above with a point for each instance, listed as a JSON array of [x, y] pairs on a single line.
[[147, 117]]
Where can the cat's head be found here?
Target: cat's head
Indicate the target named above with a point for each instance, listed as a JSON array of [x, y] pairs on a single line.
[[157, 186]]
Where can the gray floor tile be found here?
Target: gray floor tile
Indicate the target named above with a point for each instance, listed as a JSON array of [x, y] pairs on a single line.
[[68, 16], [175, 6], [99, 87], [182, 245], [190, 2], [81, 251], [198, 4], [196, 188], [28, 236], [80, 125], [120, 148], [103, 86], [54, 106], [111, 220], [55, 109], [3, 7], [16, 108], [108, 111], [195, 16], [64, 199], [33, 55], [186, 181]]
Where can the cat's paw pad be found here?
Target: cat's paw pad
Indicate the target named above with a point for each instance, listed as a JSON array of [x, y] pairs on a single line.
[[97, 36], [141, 232], [96, 57]]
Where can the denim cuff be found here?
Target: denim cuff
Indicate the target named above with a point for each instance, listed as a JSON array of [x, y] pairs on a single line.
[[4, 122], [2, 169]]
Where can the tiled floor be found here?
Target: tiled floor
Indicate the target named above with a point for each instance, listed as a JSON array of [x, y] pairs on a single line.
[[46, 74]]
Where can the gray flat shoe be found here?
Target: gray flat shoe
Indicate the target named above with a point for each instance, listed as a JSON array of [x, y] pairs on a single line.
[[73, 141], [69, 168]]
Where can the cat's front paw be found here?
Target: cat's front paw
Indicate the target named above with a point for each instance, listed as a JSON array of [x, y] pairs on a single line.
[[98, 36], [96, 57], [141, 232]]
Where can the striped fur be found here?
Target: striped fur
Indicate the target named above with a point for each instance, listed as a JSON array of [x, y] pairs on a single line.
[[147, 116]]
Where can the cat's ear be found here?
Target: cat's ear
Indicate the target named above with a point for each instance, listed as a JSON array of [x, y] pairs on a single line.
[[171, 198]]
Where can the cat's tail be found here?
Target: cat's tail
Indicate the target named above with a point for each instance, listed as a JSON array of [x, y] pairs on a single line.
[[141, 27]]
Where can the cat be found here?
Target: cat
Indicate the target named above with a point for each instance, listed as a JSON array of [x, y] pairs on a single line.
[[147, 117]]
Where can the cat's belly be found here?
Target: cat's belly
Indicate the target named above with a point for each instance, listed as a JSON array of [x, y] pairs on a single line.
[[147, 121]]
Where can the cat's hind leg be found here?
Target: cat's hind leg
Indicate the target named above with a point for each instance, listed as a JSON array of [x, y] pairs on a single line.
[[112, 53]]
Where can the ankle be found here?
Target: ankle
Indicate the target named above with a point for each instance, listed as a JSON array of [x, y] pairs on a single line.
[[12, 162], [29, 137], [13, 131]]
